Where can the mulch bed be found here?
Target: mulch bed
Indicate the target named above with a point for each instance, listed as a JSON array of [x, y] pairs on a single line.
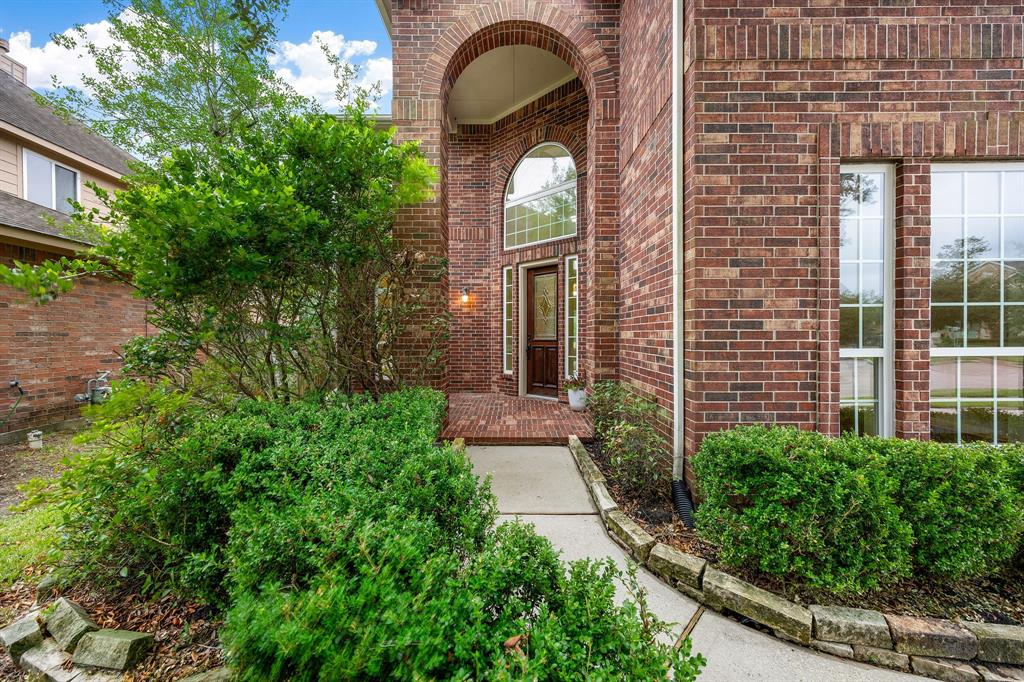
[[185, 634], [993, 599]]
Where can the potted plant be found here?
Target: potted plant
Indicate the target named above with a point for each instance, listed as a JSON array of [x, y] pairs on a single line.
[[576, 385]]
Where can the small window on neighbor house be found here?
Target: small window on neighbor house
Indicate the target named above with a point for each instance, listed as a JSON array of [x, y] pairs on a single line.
[[507, 319], [49, 184], [540, 202], [572, 318], [977, 331], [865, 308]]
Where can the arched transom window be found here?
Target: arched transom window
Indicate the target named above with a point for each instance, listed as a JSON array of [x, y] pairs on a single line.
[[540, 202]]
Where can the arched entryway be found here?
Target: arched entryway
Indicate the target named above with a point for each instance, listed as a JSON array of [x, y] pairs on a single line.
[[490, 346]]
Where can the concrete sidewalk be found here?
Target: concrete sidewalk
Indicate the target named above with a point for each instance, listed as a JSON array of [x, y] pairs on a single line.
[[543, 487]]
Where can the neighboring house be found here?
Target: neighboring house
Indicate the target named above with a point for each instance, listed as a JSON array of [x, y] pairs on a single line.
[[656, 192], [52, 350]]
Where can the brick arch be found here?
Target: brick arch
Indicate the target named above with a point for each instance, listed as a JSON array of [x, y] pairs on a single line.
[[510, 23], [552, 133]]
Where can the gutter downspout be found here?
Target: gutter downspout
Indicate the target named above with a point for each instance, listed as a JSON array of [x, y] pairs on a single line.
[[680, 494], [678, 300]]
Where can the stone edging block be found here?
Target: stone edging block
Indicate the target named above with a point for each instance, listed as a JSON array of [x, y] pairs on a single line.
[[932, 637], [68, 622], [851, 626], [20, 636], [590, 471], [678, 568], [944, 669], [723, 591], [602, 498], [999, 643], [626, 530]]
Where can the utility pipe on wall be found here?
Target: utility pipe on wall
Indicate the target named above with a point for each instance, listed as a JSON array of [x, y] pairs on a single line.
[[678, 299]]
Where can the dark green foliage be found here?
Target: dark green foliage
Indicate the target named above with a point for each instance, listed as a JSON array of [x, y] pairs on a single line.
[[625, 425], [851, 514], [343, 543], [798, 505], [634, 454], [606, 404], [405, 611], [960, 501]]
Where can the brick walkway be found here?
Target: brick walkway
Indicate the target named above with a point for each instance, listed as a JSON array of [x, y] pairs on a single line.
[[494, 418]]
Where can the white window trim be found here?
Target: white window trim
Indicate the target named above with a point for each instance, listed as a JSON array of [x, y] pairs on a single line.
[[887, 385], [53, 177], [506, 300], [965, 351], [572, 184], [568, 294]]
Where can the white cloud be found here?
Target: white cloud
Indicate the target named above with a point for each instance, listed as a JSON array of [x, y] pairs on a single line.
[[302, 65], [50, 58], [305, 67]]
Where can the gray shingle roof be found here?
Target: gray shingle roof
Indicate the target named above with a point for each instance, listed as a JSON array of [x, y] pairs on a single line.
[[19, 108], [17, 212]]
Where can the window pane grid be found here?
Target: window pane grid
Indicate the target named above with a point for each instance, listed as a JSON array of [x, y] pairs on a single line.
[[977, 330], [571, 316], [863, 281], [540, 201], [507, 319]]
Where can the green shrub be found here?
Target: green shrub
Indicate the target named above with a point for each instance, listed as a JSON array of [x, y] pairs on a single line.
[[404, 611], [852, 513], [634, 456], [606, 404], [797, 505], [966, 516], [343, 543]]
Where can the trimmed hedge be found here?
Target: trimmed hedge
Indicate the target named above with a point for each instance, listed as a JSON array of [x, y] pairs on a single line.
[[851, 514]]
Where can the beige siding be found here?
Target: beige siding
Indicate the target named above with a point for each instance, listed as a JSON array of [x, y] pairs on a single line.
[[86, 194], [9, 166]]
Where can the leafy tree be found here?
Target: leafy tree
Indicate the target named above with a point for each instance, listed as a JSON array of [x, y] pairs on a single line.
[[180, 74], [274, 259], [260, 231]]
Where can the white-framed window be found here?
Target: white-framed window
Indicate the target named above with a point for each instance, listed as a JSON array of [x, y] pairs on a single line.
[[866, 255], [507, 319], [977, 306], [540, 200], [48, 183], [572, 315]]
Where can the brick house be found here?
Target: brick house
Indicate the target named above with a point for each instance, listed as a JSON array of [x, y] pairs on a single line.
[[52, 350], [777, 211]]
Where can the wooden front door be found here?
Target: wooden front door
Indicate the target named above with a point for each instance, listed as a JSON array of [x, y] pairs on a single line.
[[542, 331]]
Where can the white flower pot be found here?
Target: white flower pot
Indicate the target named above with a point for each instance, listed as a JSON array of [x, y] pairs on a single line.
[[578, 399]]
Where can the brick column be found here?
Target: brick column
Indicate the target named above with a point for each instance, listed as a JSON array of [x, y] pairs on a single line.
[[913, 297]]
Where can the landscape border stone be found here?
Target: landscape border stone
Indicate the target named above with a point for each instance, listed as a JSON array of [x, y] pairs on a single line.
[[937, 648]]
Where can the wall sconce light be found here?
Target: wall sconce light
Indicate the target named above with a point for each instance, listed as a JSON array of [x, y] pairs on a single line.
[[465, 295]]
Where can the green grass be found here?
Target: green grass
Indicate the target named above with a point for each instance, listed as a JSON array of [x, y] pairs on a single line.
[[25, 539]]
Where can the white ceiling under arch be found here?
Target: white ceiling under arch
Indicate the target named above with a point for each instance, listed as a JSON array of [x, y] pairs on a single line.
[[502, 80]]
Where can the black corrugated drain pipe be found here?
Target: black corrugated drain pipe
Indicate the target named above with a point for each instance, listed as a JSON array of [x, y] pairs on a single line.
[[682, 502]]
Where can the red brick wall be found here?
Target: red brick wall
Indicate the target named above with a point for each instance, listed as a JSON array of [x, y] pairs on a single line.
[[53, 349], [480, 160], [434, 41], [645, 231], [778, 94]]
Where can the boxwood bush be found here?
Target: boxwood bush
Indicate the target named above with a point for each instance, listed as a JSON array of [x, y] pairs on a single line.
[[850, 514], [341, 541], [795, 504]]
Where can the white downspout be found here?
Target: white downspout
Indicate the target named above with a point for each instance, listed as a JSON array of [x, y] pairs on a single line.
[[678, 300]]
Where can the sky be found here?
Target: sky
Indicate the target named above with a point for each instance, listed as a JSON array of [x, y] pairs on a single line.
[[351, 28]]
